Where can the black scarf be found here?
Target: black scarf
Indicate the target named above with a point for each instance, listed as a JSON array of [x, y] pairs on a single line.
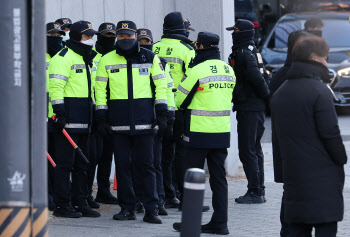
[[205, 54], [129, 53], [82, 49], [54, 45]]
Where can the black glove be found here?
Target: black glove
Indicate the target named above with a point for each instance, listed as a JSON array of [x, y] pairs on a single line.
[[102, 128], [59, 123], [161, 121], [169, 132]]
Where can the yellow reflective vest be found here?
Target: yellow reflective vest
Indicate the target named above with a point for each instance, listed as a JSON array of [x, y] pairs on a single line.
[[206, 94], [70, 88], [137, 89]]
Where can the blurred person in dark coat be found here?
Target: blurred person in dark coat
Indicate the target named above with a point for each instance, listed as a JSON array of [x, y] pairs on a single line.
[[312, 150], [277, 80]]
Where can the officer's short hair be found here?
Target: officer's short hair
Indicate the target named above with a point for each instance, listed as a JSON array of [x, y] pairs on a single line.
[[305, 47], [313, 22]]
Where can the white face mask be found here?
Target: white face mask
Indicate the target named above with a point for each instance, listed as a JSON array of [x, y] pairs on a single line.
[[65, 37], [89, 42]]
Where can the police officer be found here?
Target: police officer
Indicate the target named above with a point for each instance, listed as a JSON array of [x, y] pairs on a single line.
[[65, 25], [138, 88], [250, 97], [205, 94], [54, 45], [144, 36], [104, 44], [71, 98], [188, 27], [175, 48]]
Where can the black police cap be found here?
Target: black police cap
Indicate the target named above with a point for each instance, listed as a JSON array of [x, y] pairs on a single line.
[[106, 28], [65, 22], [144, 34], [126, 27], [54, 27], [242, 25], [187, 24], [208, 39], [83, 27]]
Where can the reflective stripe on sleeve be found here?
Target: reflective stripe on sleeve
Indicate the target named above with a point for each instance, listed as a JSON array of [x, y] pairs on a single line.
[[160, 76], [57, 102], [173, 60], [101, 107], [210, 113], [215, 78], [161, 102], [76, 125], [105, 79], [183, 90], [58, 76], [171, 84], [78, 66], [117, 66]]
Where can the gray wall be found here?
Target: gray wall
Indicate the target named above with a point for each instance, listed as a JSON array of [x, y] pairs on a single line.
[[205, 15]]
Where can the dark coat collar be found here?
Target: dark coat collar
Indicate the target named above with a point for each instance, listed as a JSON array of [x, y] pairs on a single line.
[[308, 69]]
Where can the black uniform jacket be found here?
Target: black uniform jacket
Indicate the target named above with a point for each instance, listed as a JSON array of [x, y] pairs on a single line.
[[251, 91]]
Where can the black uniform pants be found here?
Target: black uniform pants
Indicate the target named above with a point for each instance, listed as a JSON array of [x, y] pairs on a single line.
[[51, 169], [96, 146], [140, 149], [168, 154], [179, 162], [137, 179], [250, 128], [69, 162], [195, 158], [305, 230], [105, 166]]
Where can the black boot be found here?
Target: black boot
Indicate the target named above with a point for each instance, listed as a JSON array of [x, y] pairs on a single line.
[[177, 226], [86, 211], [250, 198], [124, 215], [215, 228], [52, 206], [161, 210], [152, 217], [139, 208], [92, 203], [68, 212], [106, 198], [172, 203]]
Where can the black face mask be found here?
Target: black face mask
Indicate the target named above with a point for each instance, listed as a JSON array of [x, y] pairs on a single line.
[[316, 32], [54, 45], [147, 46], [187, 33], [126, 44], [106, 42]]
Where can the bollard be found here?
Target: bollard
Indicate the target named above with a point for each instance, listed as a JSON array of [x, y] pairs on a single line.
[[192, 206]]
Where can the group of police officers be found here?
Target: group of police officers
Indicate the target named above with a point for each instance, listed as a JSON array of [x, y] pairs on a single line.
[[160, 108]]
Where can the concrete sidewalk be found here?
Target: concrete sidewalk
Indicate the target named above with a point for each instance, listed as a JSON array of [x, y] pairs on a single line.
[[244, 220]]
